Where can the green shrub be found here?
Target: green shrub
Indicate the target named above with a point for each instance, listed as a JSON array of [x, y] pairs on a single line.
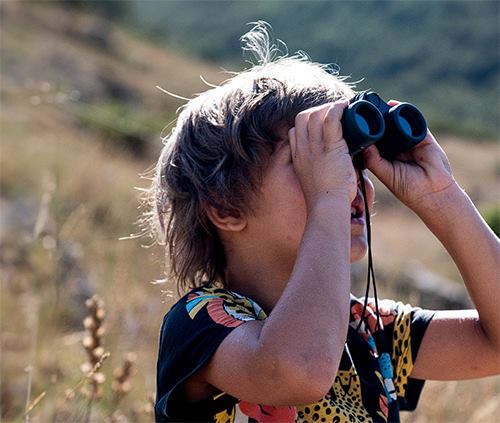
[[121, 125]]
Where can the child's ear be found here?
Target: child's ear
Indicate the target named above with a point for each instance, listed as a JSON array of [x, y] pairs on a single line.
[[232, 221]]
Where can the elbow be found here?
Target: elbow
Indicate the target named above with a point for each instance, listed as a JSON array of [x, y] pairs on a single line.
[[304, 380], [491, 336]]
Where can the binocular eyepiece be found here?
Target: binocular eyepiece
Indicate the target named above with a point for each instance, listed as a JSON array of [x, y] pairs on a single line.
[[370, 120]]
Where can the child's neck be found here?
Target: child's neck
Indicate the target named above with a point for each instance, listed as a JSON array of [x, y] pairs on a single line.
[[261, 280]]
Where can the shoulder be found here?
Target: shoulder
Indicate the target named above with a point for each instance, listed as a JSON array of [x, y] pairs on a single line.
[[208, 305], [219, 299], [390, 314]]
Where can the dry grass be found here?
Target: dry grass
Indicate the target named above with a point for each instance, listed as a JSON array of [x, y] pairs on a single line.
[[67, 197]]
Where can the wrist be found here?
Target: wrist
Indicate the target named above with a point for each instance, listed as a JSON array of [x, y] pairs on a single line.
[[330, 214], [329, 202], [443, 206]]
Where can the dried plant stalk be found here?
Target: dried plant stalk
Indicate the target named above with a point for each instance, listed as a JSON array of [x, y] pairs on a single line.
[[121, 378], [33, 404], [92, 342]]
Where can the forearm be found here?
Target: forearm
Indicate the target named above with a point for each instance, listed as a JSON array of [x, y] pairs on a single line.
[[310, 320], [454, 220]]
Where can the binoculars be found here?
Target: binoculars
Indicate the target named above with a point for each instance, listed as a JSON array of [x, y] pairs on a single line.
[[370, 120]]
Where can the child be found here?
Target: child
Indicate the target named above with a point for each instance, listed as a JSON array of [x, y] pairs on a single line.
[[262, 215]]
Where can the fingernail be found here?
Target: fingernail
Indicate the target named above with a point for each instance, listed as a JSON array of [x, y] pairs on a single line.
[[368, 150]]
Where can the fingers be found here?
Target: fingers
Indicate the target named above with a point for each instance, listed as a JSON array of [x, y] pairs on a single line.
[[427, 151], [300, 128], [393, 102], [315, 123], [320, 155], [380, 167], [430, 155], [320, 125], [332, 125], [309, 124], [430, 139]]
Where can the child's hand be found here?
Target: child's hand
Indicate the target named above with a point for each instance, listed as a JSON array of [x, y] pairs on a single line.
[[416, 176], [320, 155]]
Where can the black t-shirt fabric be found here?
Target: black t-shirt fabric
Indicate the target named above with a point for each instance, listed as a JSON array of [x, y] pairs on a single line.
[[371, 385]]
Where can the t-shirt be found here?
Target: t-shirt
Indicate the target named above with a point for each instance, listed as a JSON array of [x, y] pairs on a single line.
[[371, 385]]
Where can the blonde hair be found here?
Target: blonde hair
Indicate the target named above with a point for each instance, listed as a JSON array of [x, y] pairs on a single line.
[[217, 152]]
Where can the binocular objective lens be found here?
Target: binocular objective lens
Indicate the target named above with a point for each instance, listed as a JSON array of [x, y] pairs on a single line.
[[411, 122], [368, 119], [405, 126], [362, 123]]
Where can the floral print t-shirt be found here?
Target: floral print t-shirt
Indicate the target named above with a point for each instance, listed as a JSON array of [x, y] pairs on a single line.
[[371, 385]]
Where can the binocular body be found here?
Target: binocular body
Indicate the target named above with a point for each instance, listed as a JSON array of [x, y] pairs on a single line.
[[393, 129]]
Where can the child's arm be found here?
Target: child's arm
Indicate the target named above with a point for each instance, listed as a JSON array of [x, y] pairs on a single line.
[[292, 357], [457, 344]]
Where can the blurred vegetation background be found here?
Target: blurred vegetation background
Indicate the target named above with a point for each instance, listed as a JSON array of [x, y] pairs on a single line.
[[442, 55], [80, 125]]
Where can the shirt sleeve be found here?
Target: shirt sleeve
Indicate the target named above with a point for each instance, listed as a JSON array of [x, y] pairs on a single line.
[[191, 332], [404, 328]]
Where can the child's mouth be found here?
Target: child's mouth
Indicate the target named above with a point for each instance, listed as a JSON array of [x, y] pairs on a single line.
[[357, 210]]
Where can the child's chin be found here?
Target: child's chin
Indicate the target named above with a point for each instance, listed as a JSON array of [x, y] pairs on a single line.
[[359, 248]]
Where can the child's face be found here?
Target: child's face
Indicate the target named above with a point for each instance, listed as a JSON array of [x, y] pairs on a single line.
[[280, 215]]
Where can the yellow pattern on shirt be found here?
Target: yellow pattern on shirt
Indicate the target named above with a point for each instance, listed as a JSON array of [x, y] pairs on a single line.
[[224, 416], [347, 406], [402, 361]]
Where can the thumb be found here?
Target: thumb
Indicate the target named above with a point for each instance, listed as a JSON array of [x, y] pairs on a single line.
[[380, 167]]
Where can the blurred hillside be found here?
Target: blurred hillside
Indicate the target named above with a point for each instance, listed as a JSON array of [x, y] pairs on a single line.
[[80, 120], [441, 55]]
